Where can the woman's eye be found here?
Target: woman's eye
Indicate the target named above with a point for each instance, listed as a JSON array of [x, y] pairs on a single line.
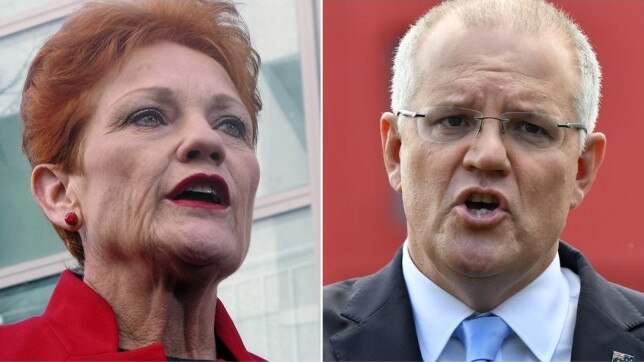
[[147, 118], [233, 126]]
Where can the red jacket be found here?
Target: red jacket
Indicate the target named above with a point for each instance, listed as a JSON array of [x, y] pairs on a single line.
[[78, 324]]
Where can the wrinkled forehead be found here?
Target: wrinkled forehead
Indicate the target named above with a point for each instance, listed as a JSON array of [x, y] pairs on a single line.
[[450, 50]]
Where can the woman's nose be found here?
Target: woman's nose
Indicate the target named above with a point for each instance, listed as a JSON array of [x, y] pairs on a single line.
[[200, 142]]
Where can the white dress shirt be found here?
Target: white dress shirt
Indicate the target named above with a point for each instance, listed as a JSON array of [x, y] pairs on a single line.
[[541, 315]]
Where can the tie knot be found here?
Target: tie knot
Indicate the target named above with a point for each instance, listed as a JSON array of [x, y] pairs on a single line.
[[482, 336]]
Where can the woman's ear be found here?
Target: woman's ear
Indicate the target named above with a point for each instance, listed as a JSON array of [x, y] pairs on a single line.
[[49, 186]]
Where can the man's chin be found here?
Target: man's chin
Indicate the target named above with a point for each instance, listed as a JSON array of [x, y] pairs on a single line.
[[480, 259]]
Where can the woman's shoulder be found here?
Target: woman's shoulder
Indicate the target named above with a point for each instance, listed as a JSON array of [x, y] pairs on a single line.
[[72, 312], [31, 339]]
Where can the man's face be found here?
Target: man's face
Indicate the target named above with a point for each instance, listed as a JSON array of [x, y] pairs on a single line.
[[491, 70]]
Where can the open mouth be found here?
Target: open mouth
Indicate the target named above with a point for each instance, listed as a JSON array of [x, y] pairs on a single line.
[[480, 204], [202, 190]]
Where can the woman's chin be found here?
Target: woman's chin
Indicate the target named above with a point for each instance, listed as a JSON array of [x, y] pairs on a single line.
[[223, 255]]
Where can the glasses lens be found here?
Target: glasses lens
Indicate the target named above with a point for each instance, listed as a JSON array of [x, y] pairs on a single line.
[[447, 124], [533, 130]]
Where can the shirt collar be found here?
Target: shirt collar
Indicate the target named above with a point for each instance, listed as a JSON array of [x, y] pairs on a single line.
[[437, 313], [536, 313]]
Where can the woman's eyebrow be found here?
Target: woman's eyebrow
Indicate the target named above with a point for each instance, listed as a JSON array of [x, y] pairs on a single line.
[[157, 94], [224, 101]]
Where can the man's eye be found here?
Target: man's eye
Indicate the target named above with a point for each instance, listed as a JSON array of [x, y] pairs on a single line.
[[233, 126], [147, 118], [453, 121], [532, 129]]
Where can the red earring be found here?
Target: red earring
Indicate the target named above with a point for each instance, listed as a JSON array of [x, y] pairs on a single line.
[[71, 218]]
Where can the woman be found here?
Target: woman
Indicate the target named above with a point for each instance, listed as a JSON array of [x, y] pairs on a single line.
[[140, 122]]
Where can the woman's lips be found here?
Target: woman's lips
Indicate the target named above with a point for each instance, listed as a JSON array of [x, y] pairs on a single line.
[[208, 191], [199, 204]]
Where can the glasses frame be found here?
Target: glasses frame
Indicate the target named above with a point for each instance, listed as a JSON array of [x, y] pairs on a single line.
[[481, 117]]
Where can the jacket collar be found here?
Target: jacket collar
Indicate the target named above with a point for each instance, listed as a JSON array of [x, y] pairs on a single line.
[[86, 326], [606, 317], [381, 311]]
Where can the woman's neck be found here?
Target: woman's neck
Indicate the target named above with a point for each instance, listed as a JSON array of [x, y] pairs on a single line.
[[156, 308]]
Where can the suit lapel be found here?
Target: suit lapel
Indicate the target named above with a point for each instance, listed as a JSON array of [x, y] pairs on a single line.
[[384, 325], [605, 317]]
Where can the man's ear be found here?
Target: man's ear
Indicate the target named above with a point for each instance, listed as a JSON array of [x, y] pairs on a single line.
[[588, 166], [391, 143], [49, 186]]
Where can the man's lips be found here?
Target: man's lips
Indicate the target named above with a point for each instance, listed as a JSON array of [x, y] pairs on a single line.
[[483, 194], [201, 190], [481, 207]]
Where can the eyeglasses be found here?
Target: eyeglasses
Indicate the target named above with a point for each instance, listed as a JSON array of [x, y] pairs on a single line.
[[532, 131]]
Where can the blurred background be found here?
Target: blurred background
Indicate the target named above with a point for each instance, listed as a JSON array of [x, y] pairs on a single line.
[[274, 297], [363, 219]]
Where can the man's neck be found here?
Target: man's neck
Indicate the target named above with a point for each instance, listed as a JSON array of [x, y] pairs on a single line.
[[480, 293]]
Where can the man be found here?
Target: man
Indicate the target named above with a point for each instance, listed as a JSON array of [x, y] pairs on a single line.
[[490, 144]]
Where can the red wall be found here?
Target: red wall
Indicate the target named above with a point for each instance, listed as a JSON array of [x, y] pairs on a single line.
[[363, 222]]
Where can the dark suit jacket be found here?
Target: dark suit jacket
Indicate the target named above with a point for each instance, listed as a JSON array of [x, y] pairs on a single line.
[[370, 318]]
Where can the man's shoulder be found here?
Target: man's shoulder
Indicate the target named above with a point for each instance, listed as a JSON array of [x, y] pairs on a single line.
[[633, 300], [610, 317], [636, 298], [339, 293], [367, 289], [594, 286], [334, 298], [349, 302], [370, 317], [342, 286], [596, 290]]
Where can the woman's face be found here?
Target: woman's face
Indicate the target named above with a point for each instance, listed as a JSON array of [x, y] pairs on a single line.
[[169, 167]]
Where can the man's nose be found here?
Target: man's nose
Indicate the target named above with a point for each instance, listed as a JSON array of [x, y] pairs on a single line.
[[200, 141], [487, 150]]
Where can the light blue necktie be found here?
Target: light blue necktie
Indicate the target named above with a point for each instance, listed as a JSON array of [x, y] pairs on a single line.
[[482, 336]]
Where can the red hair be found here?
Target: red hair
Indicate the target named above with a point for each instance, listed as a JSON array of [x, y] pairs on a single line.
[[59, 97]]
